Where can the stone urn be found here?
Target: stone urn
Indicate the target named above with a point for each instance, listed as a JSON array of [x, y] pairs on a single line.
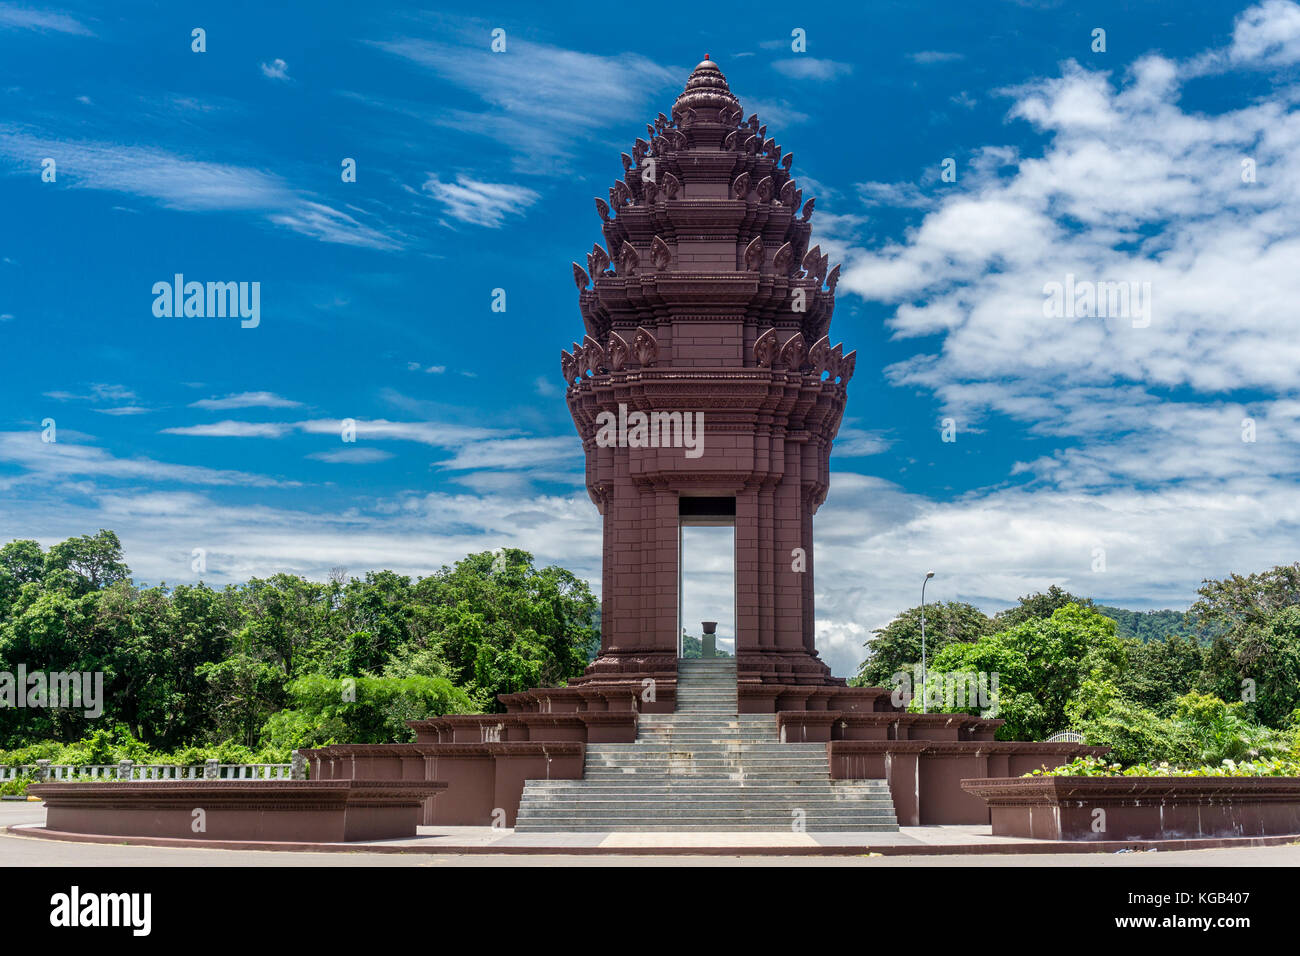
[[710, 642]]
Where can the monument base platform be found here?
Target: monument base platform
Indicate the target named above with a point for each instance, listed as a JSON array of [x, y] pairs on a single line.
[[487, 758], [910, 841]]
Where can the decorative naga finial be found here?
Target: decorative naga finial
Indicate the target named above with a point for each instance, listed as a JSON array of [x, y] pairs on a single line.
[[792, 352], [628, 259], [833, 277], [617, 352], [645, 347], [765, 348], [660, 254], [580, 277], [784, 259]]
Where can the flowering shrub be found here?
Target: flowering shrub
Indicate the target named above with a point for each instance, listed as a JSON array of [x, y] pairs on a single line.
[[1098, 767]]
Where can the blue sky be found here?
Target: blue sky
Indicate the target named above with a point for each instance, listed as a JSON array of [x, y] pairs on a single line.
[[476, 171]]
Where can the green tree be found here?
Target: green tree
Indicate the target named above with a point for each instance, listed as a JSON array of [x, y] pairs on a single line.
[[364, 710], [502, 625], [96, 560], [897, 646], [1039, 605], [1160, 670], [1041, 665], [1249, 599], [1258, 662]]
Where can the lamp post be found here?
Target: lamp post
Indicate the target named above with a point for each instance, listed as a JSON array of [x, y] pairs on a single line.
[[924, 705]]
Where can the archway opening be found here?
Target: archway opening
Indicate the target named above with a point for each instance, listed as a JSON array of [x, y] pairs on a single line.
[[707, 577]]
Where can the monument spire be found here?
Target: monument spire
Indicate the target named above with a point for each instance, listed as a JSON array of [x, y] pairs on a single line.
[[706, 88], [705, 303]]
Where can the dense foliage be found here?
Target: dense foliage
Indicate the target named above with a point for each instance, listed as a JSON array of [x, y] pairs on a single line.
[[1221, 683], [279, 662]]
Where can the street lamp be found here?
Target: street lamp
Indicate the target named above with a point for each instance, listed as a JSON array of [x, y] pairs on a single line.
[[928, 576]]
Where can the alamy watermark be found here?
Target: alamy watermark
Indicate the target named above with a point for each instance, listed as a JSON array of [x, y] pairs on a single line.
[[947, 692], [651, 430], [57, 689], [1086, 299], [210, 300]]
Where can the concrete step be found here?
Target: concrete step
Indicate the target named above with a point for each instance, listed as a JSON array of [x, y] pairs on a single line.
[[714, 744], [778, 818], [809, 765], [706, 767], [684, 809], [681, 785], [576, 826], [776, 821]]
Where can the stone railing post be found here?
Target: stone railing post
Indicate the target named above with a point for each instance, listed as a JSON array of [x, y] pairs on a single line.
[[124, 769], [297, 766], [42, 771], [211, 770]]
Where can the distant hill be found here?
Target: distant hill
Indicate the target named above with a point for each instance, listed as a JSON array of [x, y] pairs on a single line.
[[1146, 625]]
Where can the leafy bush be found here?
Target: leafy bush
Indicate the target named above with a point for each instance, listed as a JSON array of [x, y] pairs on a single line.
[[365, 710], [1098, 767]]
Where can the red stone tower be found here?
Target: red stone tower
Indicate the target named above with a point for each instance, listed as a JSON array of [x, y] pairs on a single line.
[[705, 300]]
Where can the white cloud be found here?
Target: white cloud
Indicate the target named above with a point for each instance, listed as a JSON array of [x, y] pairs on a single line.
[[231, 429], [189, 185], [811, 68], [411, 534], [480, 203], [16, 16], [53, 461], [352, 456], [246, 400], [927, 57], [277, 69], [515, 453], [540, 99], [1145, 424], [1267, 34]]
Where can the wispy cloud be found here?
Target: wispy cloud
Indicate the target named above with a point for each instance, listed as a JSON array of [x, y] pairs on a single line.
[[19, 17], [352, 456], [513, 453], [231, 429], [246, 400], [811, 68], [479, 203], [277, 69], [53, 460], [540, 98], [927, 57], [177, 182]]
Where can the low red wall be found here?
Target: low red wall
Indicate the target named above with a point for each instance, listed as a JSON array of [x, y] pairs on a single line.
[[484, 780], [926, 776], [1139, 808], [314, 811]]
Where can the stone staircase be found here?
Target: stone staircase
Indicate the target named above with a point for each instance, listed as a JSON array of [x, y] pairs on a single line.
[[706, 768]]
